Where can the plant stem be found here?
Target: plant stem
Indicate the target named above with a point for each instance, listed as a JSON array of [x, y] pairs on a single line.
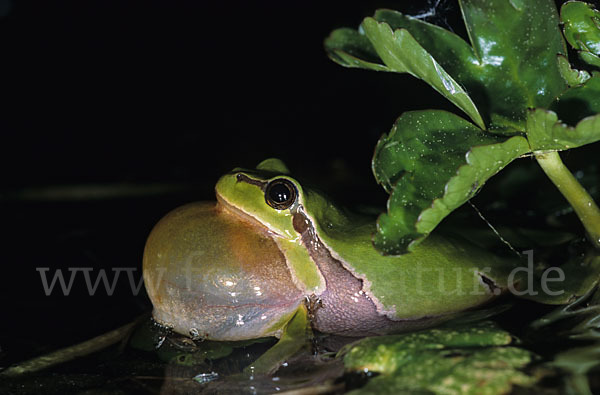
[[581, 201], [72, 352]]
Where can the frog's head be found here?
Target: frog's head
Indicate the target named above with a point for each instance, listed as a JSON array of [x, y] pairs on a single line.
[[267, 195], [233, 270]]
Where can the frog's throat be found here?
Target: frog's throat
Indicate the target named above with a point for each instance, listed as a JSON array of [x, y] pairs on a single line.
[[346, 307], [306, 276]]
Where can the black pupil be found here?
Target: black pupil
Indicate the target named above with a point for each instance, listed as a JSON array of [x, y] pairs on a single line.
[[280, 193]]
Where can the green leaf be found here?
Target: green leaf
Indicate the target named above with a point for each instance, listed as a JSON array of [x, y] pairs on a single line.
[[582, 30], [453, 53], [545, 132], [517, 43], [432, 162], [581, 23], [511, 64], [580, 275], [590, 58], [349, 48], [572, 76], [402, 53], [474, 359], [579, 101], [578, 320], [399, 53], [577, 362]]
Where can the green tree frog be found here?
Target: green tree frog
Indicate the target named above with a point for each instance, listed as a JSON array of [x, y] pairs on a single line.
[[242, 267]]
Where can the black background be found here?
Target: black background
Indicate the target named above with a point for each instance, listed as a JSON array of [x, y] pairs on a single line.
[[105, 91]]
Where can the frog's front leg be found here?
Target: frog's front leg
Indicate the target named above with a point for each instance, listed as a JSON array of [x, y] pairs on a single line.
[[296, 335]]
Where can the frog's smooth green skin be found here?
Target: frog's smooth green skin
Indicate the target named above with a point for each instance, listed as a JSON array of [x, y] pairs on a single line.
[[240, 268]]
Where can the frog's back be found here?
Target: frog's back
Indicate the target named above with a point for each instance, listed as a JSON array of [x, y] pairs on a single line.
[[442, 276]]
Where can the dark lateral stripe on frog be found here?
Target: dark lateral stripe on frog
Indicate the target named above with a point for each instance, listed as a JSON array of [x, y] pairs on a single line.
[[345, 307], [241, 177]]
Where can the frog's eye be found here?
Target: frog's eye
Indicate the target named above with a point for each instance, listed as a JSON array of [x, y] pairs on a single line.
[[280, 194]]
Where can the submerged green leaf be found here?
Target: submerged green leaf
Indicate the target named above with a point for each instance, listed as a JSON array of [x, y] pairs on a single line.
[[431, 163], [473, 359], [545, 132]]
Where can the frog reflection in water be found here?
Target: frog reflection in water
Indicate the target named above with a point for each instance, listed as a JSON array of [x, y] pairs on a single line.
[[242, 267]]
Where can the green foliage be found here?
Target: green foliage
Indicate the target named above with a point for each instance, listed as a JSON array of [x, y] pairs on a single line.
[[575, 322], [545, 132], [582, 30], [572, 76], [514, 81], [513, 70], [499, 68], [579, 101], [423, 160], [474, 359], [382, 49]]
